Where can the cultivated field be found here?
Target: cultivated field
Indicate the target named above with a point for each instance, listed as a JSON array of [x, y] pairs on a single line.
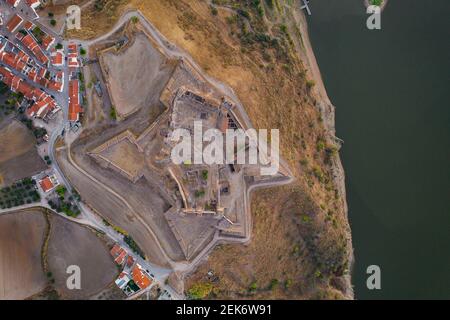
[[18, 155], [131, 82], [21, 238], [72, 244]]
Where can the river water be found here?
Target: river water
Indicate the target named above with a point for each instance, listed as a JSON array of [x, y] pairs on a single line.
[[391, 88]]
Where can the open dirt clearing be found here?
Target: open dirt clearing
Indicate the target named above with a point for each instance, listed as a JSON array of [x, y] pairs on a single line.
[[73, 244], [126, 156], [133, 74], [21, 238], [18, 154], [15, 140]]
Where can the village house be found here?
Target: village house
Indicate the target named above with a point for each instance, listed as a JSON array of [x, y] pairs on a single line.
[[49, 183], [74, 101]]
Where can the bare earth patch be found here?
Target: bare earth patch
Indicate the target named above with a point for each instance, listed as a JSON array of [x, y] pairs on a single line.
[[72, 244], [21, 238], [18, 154], [131, 82]]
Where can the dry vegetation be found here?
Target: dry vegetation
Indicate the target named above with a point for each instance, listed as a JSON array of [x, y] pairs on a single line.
[[299, 244], [18, 155]]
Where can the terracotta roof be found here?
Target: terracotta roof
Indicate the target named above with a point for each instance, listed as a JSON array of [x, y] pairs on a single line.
[[16, 80], [47, 41], [140, 278], [116, 250], [44, 103], [14, 23], [72, 60], [130, 261], [74, 101], [33, 46], [73, 48], [54, 85], [46, 184], [28, 25], [32, 75], [17, 62], [121, 258], [57, 59]]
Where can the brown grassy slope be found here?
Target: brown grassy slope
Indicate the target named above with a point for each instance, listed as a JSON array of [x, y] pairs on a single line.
[[300, 231]]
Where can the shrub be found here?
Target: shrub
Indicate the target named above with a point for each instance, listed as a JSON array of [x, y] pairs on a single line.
[[200, 290], [310, 84]]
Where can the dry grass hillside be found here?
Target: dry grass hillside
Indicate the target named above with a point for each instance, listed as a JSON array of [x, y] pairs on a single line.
[[299, 247]]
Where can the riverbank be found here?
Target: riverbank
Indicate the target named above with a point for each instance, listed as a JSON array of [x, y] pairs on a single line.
[[328, 113]]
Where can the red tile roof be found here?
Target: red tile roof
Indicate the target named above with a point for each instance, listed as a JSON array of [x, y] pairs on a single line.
[[130, 261], [16, 80], [28, 25], [47, 41], [44, 103], [46, 184], [140, 278], [73, 48], [74, 101], [17, 62], [55, 86], [73, 60], [33, 46], [118, 253], [121, 258], [116, 250], [57, 59], [14, 23]]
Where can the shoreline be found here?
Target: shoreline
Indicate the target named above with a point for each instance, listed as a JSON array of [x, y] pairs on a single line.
[[328, 113]]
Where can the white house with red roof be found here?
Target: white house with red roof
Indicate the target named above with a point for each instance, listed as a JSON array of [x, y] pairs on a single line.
[[58, 57], [72, 57], [49, 183], [140, 277], [122, 280], [74, 101]]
